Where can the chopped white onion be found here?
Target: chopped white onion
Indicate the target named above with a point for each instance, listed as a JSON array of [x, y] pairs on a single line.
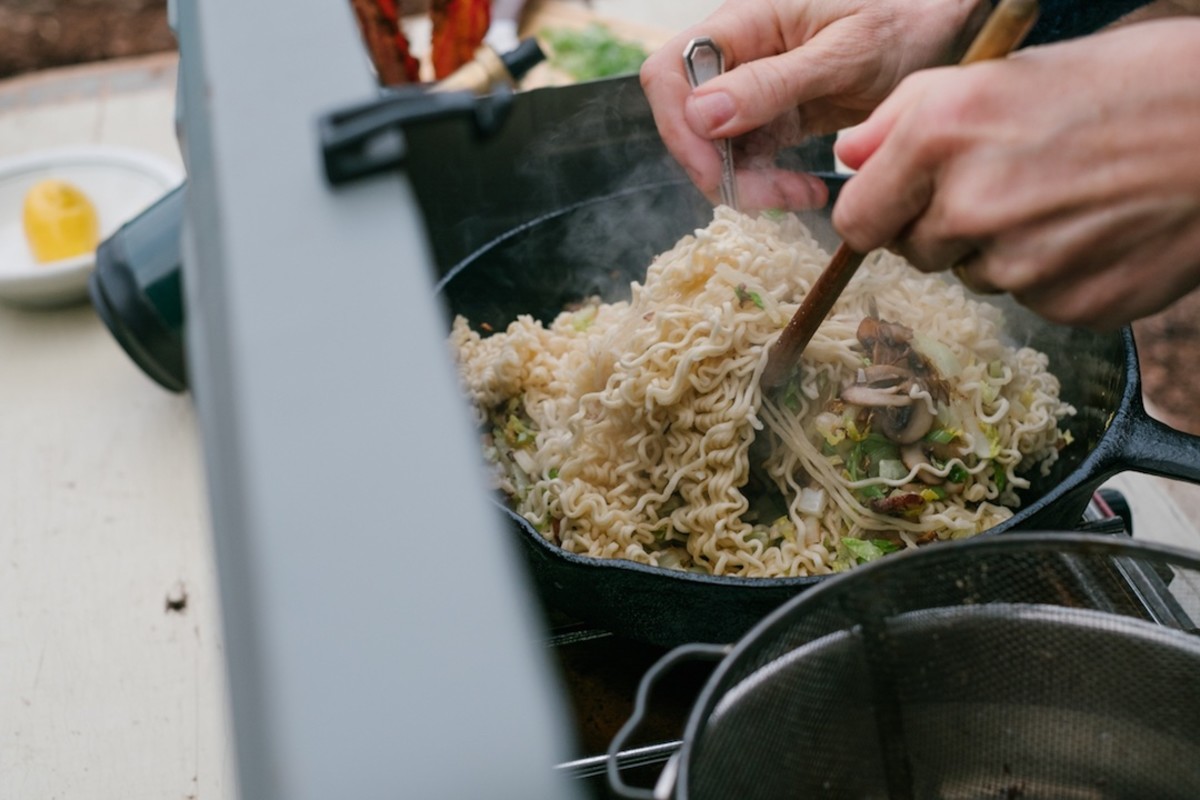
[[811, 502], [892, 469], [524, 461]]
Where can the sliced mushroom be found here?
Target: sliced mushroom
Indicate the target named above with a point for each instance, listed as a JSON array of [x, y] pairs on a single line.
[[879, 386], [873, 329], [908, 424], [914, 456], [888, 382], [887, 342], [861, 394], [884, 374]]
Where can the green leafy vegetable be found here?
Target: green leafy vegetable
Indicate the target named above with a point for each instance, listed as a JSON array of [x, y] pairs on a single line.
[[783, 528], [584, 319], [931, 493], [791, 391], [592, 52], [831, 428], [993, 439], [941, 436], [872, 491], [743, 295], [1000, 474], [863, 550], [869, 452], [517, 433], [938, 354]]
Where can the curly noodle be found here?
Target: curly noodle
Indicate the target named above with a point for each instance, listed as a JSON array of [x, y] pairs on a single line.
[[639, 430]]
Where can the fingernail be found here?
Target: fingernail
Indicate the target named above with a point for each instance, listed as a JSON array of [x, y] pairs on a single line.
[[707, 112]]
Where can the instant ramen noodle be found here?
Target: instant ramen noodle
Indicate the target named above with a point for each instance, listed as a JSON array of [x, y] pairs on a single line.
[[638, 429]]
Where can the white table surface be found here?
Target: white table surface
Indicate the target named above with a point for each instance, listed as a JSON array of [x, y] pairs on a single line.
[[107, 692]]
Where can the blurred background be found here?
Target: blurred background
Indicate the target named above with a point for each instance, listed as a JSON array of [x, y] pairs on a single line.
[[37, 34]]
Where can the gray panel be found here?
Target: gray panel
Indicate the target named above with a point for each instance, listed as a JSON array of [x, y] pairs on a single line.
[[381, 639]]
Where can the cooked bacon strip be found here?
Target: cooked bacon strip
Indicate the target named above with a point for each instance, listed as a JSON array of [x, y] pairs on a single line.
[[379, 23], [458, 30], [899, 503]]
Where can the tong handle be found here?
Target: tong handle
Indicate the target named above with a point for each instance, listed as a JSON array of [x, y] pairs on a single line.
[[703, 61]]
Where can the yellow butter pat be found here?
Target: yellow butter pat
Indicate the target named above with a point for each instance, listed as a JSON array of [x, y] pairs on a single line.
[[60, 221]]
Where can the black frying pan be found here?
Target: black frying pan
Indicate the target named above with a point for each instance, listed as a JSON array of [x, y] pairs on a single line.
[[598, 246], [540, 213]]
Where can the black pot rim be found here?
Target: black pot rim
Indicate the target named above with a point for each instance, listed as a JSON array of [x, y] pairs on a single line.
[[1023, 540]]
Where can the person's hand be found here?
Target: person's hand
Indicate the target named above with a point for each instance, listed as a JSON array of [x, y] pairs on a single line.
[[1067, 175], [794, 68]]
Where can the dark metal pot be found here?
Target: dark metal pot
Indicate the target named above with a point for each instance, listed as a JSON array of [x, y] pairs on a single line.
[[1013, 666], [609, 201]]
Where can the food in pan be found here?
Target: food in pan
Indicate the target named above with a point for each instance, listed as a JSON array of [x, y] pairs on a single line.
[[638, 429]]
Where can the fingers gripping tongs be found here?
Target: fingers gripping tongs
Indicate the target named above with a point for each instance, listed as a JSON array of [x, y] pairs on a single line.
[[703, 61]]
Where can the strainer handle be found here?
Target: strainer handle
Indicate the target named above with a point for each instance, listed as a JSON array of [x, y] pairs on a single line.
[[685, 652]]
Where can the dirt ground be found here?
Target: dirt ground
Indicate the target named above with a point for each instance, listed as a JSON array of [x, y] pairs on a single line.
[[39, 34]]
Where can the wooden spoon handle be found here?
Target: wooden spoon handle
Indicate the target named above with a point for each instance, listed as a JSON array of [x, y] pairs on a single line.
[[1004, 29], [811, 313]]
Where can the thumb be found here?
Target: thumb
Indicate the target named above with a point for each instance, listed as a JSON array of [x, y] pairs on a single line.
[[757, 92], [855, 145]]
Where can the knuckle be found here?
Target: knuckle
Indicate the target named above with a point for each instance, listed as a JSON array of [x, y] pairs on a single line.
[[1078, 307], [854, 228], [914, 254], [953, 214], [650, 73], [942, 114], [646, 75], [769, 87], [1017, 275]]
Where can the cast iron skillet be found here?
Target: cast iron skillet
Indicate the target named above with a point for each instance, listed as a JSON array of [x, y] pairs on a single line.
[[600, 245]]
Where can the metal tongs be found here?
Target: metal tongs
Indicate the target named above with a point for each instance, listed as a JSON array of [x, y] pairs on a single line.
[[1002, 32], [703, 61]]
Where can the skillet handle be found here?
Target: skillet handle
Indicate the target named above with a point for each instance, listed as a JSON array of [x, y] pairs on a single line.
[[681, 654], [1155, 448]]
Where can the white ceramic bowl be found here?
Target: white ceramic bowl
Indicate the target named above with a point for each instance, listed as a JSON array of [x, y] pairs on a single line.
[[120, 182]]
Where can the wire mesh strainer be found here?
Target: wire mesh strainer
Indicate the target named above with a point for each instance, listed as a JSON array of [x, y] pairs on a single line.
[[1051, 665]]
